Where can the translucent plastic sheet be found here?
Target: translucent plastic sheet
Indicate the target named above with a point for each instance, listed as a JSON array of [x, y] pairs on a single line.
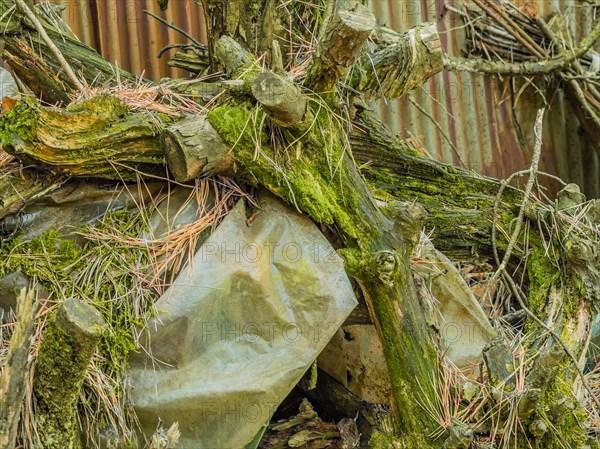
[[462, 323], [239, 327]]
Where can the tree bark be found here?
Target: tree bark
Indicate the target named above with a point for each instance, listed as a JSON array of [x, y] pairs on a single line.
[[346, 29], [401, 63], [376, 214], [193, 149], [282, 98], [98, 137], [19, 187]]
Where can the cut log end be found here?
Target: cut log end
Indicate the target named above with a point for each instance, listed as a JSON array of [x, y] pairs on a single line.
[[341, 42], [194, 149], [68, 344]]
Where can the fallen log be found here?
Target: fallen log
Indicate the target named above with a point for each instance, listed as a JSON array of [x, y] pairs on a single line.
[[97, 137], [371, 223], [403, 62], [19, 187], [101, 138]]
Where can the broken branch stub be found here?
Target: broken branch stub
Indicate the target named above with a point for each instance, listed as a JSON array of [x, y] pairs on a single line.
[[395, 69], [281, 98], [341, 42], [14, 378], [67, 347], [194, 149]]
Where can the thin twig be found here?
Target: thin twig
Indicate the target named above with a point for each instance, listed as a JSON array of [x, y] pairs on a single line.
[[564, 59], [176, 28], [42, 32], [438, 126]]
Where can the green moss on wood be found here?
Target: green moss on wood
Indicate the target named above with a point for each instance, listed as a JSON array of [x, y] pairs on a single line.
[[62, 362], [20, 122], [308, 173], [96, 137], [102, 275]]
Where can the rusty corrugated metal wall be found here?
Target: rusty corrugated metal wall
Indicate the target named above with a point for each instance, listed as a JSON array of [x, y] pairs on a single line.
[[471, 118], [462, 118], [123, 33]]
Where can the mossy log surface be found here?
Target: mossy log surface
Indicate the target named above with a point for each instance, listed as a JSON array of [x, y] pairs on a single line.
[[377, 245], [14, 378], [68, 344], [97, 137], [376, 223], [459, 203]]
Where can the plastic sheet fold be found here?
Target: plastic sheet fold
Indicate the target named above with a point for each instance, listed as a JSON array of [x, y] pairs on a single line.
[[239, 327]]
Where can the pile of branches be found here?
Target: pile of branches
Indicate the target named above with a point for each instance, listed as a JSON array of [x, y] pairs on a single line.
[[506, 40], [284, 110]]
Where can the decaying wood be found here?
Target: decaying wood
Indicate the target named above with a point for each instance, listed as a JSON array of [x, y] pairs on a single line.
[[19, 187], [190, 61], [339, 402], [50, 82], [234, 58], [68, 344], [376, 232], [97, 137], [403, 63], [254, 24], [307, 430], [14, 376]]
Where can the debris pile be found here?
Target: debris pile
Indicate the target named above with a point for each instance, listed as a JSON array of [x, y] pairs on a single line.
[[249, 259]]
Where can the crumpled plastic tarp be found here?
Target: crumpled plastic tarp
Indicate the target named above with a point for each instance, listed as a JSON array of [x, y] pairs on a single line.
[[239, 327], [460, 320], [75, 203]]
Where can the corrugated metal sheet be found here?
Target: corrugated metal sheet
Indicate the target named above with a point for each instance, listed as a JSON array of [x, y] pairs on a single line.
[[464, 118], [123, 33], [484, 123]]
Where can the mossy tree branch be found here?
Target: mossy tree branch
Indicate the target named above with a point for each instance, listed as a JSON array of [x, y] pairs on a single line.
[[193, 149], [98, 137], [35, 64], [15, 373]]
